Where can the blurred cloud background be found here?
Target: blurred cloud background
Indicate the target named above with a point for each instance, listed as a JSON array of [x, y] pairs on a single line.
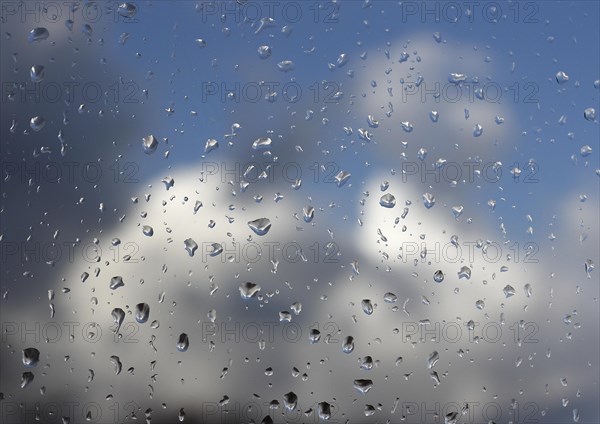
[[162, 81]]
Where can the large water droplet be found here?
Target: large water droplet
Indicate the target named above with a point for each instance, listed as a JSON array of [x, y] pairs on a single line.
[[183, 343], [465, 272], [150, 143], [142, 312], [363, 385], [342, 177], [387, 201], [31, 357], [37, 73], [249, 290], [116, 282], [38, 34], [260, 226], [348, 344], [428, 200], [37, 123], [264, 52], [508, 291], [589, 114], [262, 143], [127, 10], [432, 359], [290, 400], [190, 245], [561, 77]]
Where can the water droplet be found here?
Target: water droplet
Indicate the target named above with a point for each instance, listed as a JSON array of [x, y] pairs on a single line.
[[363, 385], [465, 272], [585, 151], [127, 10], [406, 126], [342, 177], [38, 72], [150, 143], [508, 291], [148, 230], [589, 114], [348, 344], [438, 276], [31, 357], [116, 282], [314, 335], [26, 379], [38, 34], [249, 290], [117, 365], [428, 200], [367, 306], [561, 77], [390, 298], [308, 213], [200, 42], [262, 143], [118, 316], [264, 52], [290, 400], [142, 312], [215, 249], [457, 78], [286, 65], [324, 411], [183, 343], [432, 359], [260, 226], [477, 130], [37, 123], [190, 245], [211, 144], [387, 201]]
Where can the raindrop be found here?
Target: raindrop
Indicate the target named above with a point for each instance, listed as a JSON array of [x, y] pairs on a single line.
[[290, 400], [260, 226], [211, 144], [38, 34], [148, 230], [142, 312], [367, 306], [432, 359], [465, 272], [249, 290], [363, 385], [589, 114], [262, 143], [508, 291], [37, 123], [342, 177], [561, 77], [428, 200], [348, 344], [191, 246], [150, 143], [116, 282], [37, 73], [264, 52], [31, 357], [387, 201], [183, 343], [308, 213]]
